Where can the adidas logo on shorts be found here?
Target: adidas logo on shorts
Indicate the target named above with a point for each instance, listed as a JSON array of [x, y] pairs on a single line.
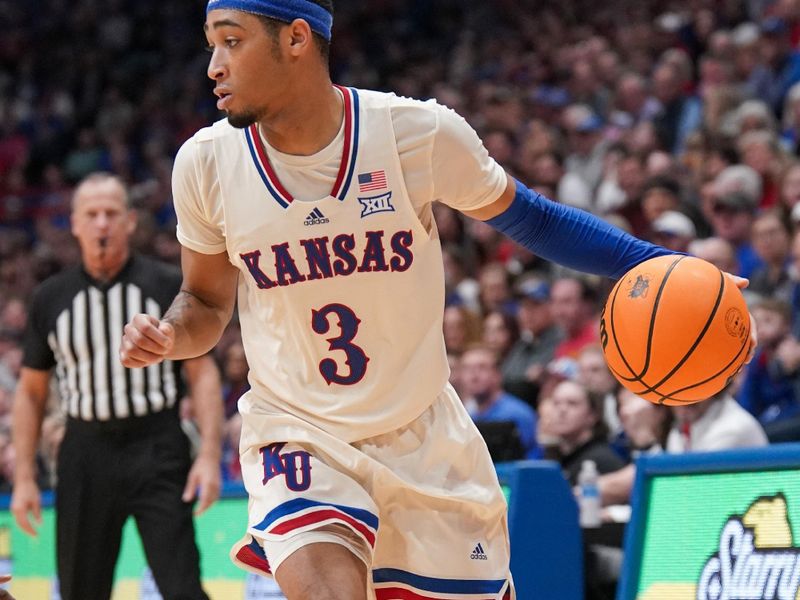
[[478, 553], [315, 217]]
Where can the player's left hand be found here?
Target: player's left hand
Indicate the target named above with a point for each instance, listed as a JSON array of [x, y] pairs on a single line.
[[5, 594], [204, 476], [742, 283]]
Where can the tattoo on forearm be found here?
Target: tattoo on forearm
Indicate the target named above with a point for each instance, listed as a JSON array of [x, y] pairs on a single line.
[[181, 306]]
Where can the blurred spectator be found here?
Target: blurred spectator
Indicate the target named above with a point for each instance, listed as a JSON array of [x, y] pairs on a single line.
[[770, 382], [717, 251], [486, 401], [771, 241], [661, 194], [760, 151], [574, 304], [538, 337], [680, 113], [645, 424], [732, 216], [673, 230], [718, 423], [462, 328], [495, 289], [575, 417], [593, 373], [234, 377], [500, 333], [790, 191], [779, 66], [460, 286], [232, 432]]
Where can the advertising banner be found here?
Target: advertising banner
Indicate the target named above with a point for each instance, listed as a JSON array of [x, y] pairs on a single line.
[[722, 536]]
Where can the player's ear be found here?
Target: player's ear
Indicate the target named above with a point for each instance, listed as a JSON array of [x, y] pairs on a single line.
[[300, 37]]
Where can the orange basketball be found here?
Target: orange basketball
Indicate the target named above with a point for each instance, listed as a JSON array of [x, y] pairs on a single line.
[[675, 330]]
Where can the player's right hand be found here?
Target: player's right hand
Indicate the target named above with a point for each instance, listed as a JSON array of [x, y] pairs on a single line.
[[26, 501], [146, 341]]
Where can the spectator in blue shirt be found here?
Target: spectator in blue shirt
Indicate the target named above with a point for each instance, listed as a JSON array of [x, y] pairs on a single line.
[[768, 391], [486, 401]]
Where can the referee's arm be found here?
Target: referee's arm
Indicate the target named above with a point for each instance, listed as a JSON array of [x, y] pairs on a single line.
[[27, 415], [205, 393]]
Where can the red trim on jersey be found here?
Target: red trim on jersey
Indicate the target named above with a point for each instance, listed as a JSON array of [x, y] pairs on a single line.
[[262, 156], [348, 140]]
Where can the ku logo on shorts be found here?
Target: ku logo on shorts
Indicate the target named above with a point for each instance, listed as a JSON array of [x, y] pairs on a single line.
[[294, 466]]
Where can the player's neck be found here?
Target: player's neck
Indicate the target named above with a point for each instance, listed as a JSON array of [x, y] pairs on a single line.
[[305, 127]]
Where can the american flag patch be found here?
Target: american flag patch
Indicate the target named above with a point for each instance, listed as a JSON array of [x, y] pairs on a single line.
[[369, 182]]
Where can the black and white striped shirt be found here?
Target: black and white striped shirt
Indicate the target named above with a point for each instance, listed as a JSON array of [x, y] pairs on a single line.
[[75, 325]]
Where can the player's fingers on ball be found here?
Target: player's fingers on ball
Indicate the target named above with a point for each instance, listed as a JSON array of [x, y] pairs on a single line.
[[740, 282]]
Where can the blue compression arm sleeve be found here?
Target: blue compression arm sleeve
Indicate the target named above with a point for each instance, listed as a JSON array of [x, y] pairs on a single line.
[[571, 237]]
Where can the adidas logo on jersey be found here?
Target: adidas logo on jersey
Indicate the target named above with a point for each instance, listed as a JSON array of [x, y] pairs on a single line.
[[478, 553], [315, 217]]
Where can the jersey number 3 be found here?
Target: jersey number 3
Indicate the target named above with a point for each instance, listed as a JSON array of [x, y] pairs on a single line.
[[355, 358]]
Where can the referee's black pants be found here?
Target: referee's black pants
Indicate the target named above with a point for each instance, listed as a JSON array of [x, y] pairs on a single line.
[[108, 472]]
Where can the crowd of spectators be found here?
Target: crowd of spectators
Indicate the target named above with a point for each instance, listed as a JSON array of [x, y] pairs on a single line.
[[676, 120]]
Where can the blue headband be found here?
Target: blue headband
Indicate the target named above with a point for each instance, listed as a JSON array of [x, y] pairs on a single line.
[[319, 19]]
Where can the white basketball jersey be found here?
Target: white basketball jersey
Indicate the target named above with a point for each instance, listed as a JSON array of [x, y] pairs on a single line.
[[340, 299]]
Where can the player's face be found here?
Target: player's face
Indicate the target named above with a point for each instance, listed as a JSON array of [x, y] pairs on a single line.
[[246, 65]]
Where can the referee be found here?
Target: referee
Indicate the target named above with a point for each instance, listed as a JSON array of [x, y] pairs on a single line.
[[124, 452]]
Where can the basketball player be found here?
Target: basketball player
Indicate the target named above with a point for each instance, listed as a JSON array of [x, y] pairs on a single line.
[[366, 477]]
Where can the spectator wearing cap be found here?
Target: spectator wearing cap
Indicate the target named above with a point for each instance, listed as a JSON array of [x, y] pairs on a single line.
[[524, 366], [733, 205], [732, 219], [771, 241], [779, 67], [673, 230], [486, 401]]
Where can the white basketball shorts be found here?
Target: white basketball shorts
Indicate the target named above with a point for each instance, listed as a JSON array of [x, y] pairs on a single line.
[[421, 506]]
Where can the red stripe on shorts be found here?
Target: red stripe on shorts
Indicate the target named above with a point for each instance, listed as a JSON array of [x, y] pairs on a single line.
[[322, 515], [396, 593]]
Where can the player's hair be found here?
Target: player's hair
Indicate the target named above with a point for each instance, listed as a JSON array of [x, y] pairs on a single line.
[[324, 46]]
